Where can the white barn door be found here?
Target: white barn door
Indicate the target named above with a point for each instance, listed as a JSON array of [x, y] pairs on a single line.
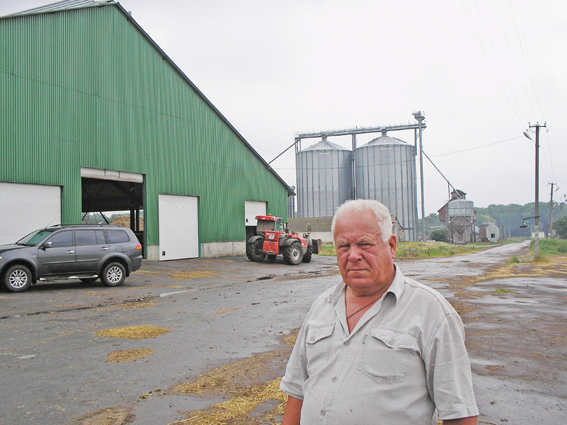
[[178, 227], [252, 209], [27, 207]]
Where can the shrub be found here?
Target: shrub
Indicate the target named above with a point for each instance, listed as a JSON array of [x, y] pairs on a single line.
[[560, 226], [439, 235]]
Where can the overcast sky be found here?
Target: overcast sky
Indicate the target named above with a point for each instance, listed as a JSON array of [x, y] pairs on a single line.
[[479, 70]]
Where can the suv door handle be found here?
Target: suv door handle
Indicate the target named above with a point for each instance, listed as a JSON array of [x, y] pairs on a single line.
[[104, 248], [70, 252]]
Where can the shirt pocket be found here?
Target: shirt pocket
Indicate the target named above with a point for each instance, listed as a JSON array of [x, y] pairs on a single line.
[[386, 355], [318, 347]]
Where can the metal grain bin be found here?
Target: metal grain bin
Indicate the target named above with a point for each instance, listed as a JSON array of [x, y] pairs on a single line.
[[324, 179], [385, 171]]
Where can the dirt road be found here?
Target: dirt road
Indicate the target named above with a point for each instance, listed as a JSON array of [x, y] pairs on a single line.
[[205, 341]]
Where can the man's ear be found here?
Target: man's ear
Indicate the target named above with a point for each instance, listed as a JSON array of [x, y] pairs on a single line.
[[393, 244]]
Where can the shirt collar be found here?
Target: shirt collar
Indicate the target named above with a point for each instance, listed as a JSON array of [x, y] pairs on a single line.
[[396, 288]]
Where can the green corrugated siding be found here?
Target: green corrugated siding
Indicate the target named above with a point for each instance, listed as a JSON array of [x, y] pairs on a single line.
[[84, 88]]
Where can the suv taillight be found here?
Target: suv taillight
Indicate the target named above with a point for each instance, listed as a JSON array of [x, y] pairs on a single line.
[[139, 246]]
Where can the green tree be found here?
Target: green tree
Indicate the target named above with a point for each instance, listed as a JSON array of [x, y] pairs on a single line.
[[431, 222], [484, 218], [439, 235], [560, 226]]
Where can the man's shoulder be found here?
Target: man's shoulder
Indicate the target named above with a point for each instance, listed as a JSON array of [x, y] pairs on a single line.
[[426, 296]]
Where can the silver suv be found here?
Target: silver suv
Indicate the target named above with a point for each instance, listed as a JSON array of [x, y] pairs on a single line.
[[85, 252]]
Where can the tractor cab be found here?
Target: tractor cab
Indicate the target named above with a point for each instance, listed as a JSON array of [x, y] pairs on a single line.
[[269, 223]]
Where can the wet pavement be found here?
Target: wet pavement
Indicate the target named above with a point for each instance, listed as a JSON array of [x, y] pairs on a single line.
[[55, 367]]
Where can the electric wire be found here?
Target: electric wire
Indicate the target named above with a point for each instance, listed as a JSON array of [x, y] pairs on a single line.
[[499, 62], [525, 59], [477, 147], [514, 57]]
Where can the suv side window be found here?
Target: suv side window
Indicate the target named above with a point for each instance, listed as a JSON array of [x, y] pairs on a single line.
[[85, 237], [118, 236], [62, 239], [100, 239]]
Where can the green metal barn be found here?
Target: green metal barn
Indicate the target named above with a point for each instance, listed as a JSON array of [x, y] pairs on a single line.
[[96, 118]]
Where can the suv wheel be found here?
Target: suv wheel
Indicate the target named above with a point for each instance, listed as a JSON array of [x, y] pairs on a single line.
[[113, 274], [17, 278]]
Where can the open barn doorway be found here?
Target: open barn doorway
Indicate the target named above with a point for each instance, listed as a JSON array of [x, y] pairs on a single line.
[[113, 197]]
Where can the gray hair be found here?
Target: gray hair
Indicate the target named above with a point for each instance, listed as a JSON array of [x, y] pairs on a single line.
[[380, 211]]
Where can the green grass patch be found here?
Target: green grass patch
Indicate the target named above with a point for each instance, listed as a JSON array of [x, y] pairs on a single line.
[[551, 246], [328, 249], [504, 291], [417, 249], [432, 249]]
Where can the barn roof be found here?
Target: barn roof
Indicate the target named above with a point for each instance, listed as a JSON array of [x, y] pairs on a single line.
[[81, 4], [61, 6]]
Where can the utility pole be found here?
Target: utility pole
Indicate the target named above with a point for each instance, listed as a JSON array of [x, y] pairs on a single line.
[[550, 231], [419, 117], [536, 227]]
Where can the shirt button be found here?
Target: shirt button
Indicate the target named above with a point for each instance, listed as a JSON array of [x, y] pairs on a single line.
[[347, 342], [334, 379], [323, 412]]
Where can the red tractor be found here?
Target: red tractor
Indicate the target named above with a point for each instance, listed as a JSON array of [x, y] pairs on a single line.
[[272, 239]]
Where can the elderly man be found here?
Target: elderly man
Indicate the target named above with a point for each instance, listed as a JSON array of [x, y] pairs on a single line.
[[379, 348]]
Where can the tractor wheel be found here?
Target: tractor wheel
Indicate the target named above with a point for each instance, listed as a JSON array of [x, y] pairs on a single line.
[[254, 250], [293, 253], [308, 254]]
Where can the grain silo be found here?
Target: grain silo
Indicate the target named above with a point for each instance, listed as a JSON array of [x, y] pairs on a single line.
[[385, 171], [324, 179]]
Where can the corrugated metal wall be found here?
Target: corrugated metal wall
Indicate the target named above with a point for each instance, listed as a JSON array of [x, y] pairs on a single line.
[[324, 179], [84, 88], [385, 171]]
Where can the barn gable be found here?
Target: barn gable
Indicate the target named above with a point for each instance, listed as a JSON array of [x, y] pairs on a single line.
[[88, 95]]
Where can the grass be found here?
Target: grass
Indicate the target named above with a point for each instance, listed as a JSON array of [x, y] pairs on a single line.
[[432, 249], [551, 246], [417, 249], [442, 249]]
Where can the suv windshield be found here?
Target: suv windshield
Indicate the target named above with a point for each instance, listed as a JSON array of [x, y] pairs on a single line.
[[35, 237]]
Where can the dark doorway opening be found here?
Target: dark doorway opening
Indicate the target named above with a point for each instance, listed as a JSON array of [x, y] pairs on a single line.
[[114, 202]]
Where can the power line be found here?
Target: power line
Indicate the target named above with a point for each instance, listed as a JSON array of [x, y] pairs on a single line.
[[525, 59], [490, 61], [513, 57], [476, 147]]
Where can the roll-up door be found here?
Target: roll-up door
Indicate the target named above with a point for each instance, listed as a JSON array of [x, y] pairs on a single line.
[[178, 227], [27, 207], [252, 209]]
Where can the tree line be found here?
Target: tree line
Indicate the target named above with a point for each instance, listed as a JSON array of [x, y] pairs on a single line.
[[509, 218]]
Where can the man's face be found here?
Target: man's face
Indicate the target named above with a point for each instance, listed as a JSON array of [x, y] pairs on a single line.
[[365, 261]]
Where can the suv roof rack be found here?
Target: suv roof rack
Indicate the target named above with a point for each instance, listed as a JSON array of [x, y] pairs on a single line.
[[84, 224]]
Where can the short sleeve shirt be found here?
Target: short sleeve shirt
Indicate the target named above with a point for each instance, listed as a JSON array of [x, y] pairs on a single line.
[[405, 358]]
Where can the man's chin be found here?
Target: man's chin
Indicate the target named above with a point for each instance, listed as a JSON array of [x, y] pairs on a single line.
[[358, 281]]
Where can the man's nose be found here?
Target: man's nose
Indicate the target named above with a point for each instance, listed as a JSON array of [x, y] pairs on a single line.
[[354, 253]]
